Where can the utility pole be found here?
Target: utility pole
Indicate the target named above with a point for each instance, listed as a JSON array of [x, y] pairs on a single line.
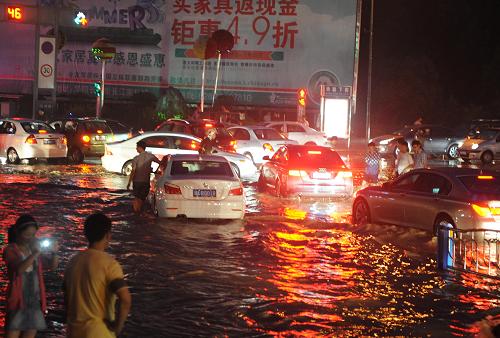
[[370, 61], [37, 59]]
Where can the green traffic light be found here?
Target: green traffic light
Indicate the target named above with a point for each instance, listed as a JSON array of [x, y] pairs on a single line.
[[97, 88]]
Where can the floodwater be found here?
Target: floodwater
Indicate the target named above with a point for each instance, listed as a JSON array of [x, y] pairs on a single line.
[[293, 268]]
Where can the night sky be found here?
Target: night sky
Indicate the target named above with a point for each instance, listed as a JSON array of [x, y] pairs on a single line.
[[435, 59]]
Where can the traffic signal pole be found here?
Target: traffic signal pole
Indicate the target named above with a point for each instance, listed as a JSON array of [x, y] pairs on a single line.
[[37, 59]]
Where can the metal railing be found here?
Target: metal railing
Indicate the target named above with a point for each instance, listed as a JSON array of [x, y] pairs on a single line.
[[476, 251]]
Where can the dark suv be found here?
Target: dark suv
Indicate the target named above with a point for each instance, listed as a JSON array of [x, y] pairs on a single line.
[[199, 129], [86, 137]]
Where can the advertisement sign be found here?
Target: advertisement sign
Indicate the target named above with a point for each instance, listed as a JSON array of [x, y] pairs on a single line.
[[280, 45]]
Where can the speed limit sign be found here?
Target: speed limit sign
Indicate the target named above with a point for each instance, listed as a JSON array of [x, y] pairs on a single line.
[[46, 70]]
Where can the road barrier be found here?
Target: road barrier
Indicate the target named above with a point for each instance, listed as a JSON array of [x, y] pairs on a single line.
[[476, 251]]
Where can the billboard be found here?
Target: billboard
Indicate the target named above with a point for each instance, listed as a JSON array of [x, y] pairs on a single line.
[[280, 45]]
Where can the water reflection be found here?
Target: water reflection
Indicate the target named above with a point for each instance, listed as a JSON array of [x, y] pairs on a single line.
[[293, 268]]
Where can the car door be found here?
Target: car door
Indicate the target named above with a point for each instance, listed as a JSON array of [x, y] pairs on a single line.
[[158, 145], [271, 169], [183, 145], [425, 199], [296, 132], [387, 203], [439, 140], [242, 137]]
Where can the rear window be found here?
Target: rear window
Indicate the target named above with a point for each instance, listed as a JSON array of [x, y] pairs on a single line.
[[268, 134], [118, 128], [485, 184], [36, 127], [315, 158], [94, 126], [205, 168]]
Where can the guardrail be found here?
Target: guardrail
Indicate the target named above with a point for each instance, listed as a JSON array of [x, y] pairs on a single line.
[[476, 251]]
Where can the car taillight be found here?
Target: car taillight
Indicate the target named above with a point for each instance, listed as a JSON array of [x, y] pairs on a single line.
[[267, 146], [99, 131], [345, 174], [489, 209], [42, 131], [208, 125], [172, 189], [31, 139], [236, 191], [64, 140], [86, 138]]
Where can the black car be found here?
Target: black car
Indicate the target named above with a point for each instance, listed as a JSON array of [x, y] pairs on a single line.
[[199, 128], [86, 137]]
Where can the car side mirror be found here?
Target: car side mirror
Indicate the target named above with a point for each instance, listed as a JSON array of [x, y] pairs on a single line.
[[266, 158]]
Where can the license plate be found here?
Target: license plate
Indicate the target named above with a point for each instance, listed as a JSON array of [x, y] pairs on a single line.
[[49, 141], [322, 176], [204, 193], [100, 138]]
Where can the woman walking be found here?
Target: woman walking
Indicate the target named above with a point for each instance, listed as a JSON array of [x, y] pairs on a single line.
[[26, 303]]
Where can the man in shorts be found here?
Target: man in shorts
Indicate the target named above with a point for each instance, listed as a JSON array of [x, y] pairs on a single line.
[[141, 170]]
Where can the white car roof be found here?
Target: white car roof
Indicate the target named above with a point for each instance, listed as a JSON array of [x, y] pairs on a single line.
[[164, 133], [196, 157]]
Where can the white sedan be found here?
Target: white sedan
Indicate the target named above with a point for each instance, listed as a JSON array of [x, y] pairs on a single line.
[[30, 139], [299, 132], [197, 186], [118, 155], [255, 142]]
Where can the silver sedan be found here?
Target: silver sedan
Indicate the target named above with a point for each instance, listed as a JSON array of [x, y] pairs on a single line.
[[427, 198]]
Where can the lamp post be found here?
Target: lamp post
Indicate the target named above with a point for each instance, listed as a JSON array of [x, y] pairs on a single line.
[[102, 50], [370, 61]]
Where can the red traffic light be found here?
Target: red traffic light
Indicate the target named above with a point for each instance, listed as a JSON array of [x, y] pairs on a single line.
[[301, 96], [15, 13]]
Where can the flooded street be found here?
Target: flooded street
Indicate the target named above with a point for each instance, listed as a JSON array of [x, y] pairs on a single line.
[[291, 268]]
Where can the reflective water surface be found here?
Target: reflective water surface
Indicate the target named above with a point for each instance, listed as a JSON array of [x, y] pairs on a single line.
[[291, 268]]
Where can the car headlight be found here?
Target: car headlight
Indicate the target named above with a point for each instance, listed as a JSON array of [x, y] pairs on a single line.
[[474, 146]]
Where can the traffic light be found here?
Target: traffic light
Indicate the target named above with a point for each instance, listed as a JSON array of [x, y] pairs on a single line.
[[97, 88], [301, 97], [81, 20]]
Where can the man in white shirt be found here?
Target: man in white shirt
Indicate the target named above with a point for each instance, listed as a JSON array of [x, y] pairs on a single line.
[[404, 161]]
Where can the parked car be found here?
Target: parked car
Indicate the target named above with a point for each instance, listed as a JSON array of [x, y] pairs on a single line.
[[118, 155], [30, 139], [306, 171], [427, 198], [299, 132], [436, 140], [483, 144], [197, 186], [255, 142], [199, 129], [86, 137]]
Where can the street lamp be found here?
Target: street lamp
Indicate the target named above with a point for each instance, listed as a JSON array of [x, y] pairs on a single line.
[[103, 50]]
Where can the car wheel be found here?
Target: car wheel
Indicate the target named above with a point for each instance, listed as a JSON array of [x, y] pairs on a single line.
[[250, 157], [453, 151], [236, 169], [261, 184], [442, 220], [12, 156], [127, 168], [360, 212], [76, 156], [487, 157]]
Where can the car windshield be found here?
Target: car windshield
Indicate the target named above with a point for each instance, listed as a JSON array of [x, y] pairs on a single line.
[[268, 134], [201, 168], [483, 134], [36, 127], [484, 184], [315, 158]]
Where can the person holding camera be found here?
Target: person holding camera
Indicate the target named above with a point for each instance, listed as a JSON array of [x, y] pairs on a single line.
[[26, 299], [209, 143], [93, 281]]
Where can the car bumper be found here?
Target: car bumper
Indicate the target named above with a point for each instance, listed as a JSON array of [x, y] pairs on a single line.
[[110, 163], [96, 150], [226, 209], [321, 190], [470, 154], [42, 151]]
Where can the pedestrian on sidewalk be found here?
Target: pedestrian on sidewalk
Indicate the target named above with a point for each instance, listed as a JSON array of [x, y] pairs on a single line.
[[140, 175], [404, 161], [372, 164], [419, 155], [26, 300], [93, 281]]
